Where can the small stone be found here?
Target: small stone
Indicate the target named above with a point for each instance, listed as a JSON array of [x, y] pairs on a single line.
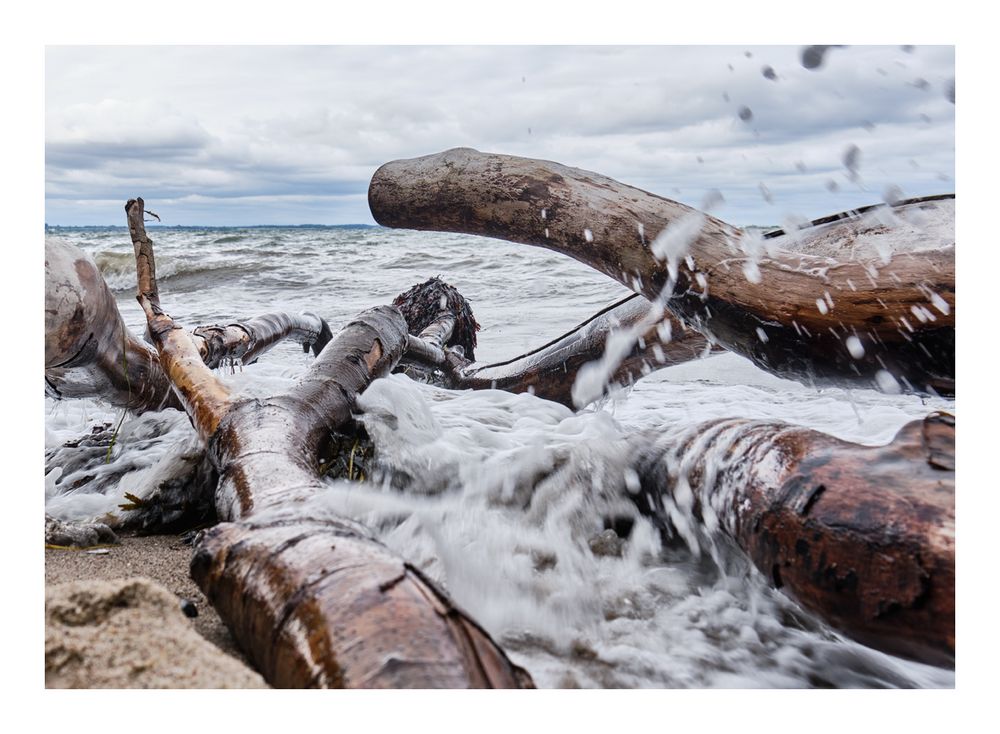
[[189, 609]]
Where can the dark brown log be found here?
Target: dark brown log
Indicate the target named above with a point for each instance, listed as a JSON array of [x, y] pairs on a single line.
[[763, 307], [313, 602], [550, 371], [864, 536]]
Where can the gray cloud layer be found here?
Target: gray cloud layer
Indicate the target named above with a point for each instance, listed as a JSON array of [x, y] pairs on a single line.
[[258, 135]]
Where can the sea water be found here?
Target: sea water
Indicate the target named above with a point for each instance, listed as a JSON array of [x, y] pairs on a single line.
[[504, 494]]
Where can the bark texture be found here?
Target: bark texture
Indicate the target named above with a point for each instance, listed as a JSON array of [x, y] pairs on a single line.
[[763, 307], [864, 536], [313, 602], [89, 352]]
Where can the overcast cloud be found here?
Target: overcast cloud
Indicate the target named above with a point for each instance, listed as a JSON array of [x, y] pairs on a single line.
[[292, 135]]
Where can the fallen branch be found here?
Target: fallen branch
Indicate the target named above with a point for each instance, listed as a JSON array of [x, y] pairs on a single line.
[[864, 536], [313, 602], [808, 317], [550, 371], [89, 352]]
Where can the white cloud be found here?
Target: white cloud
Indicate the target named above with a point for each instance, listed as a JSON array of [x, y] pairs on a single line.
[[309, 125]]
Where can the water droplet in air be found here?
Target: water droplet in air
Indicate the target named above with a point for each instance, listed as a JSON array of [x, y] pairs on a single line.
[[588, 235], [921, 83], [832, 186], [761, 335], [855, 347], [745, 113], [725, 96], [868, 125], [712, 199], [765, 192], [821, 305], [768, 73], [851, 160], [892, 195], [545, 213], [800, 166], [887, 383], [813, 56], [748, 54]]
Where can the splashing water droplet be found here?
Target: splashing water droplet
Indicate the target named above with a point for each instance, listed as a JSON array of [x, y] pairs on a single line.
[[745, 113], [800, 166], [892, 195], [887, 383], [855, 347], [851, 160], [545, 213], [821, 305], [768, 73], [868, 125], [588, 235], [765, 192], [748, 54], [921, 83], [725, 96], [761, 335], [832, 186], [814, 56], [712, 199]]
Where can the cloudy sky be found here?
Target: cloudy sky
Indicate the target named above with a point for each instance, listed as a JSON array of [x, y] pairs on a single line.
[[291, 135]]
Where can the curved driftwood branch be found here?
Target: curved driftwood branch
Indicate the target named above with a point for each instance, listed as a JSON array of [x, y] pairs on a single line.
[[550, 371], [247, 340], [313, 601], [89, 352], [803, 316], [864, 536]]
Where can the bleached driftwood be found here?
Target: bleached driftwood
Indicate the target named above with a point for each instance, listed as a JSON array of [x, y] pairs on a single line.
[[314, 602], [860, 322]]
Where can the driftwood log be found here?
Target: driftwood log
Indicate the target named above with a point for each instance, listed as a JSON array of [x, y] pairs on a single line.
[[314, 602], [863, 536], [807, 317], [550, 371], [89, 352]]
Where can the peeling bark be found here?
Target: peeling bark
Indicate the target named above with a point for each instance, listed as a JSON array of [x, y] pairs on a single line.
[[610, 226], [863, 536], [312, 602]]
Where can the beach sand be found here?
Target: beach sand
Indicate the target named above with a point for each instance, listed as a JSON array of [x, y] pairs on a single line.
[[163, 559]]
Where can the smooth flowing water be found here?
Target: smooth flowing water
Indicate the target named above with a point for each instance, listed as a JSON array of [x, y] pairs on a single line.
[[505, 496]]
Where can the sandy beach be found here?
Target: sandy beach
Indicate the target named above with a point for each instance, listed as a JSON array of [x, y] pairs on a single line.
[[163, 559]]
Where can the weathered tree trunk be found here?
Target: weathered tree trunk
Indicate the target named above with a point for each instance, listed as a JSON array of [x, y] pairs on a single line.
[[313, 601], [802, 316], [89, 352], [551, 370], [864, 536]]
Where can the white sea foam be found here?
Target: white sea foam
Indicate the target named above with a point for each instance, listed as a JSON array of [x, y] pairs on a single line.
[[502, 494]]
